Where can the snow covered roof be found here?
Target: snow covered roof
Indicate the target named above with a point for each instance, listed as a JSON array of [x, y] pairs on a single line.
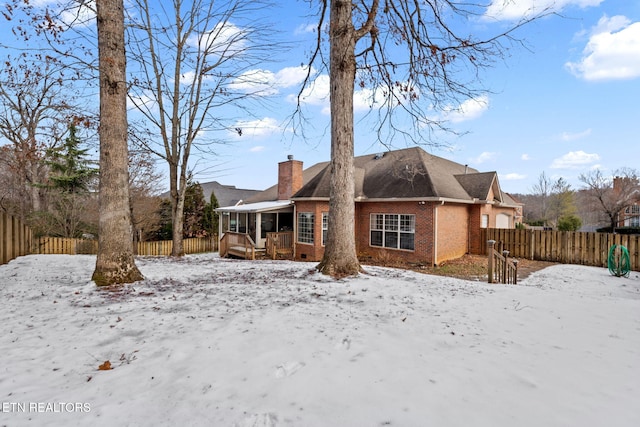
[[257, 207]]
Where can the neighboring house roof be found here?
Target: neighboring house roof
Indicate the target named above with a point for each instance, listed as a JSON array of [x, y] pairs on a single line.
[[227, 195], [512, 200], [410, 173]]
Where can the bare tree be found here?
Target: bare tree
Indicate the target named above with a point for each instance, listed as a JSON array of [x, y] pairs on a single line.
[[416, 61], [541, 191], [191, 59], [35, 109], [115, 263], [145, 188], [562, 203], [613, 195]]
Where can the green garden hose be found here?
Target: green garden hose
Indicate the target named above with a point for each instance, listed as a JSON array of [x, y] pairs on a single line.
[[618, 261]]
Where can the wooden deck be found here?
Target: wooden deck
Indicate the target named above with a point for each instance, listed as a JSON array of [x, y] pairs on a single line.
[[278, 245], [237, 244]]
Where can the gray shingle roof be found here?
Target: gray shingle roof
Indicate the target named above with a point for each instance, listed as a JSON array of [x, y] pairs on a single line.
[[399, 174], [407, 173], [477, 185]]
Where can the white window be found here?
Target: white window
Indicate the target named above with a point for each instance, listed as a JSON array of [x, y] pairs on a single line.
[[393, 231], [325, 227], [484, 221], [633, 216], [305, 227]]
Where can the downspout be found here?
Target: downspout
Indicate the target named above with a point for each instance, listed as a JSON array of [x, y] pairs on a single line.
[[435, 232], [294, 238]]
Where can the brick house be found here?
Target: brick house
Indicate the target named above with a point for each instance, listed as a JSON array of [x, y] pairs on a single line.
[[627, 191], [409, 204]]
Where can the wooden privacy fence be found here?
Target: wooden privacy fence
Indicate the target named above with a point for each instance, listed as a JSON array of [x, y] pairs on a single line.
[[65, 246], [61, 245], [15, 238], [567, 247]]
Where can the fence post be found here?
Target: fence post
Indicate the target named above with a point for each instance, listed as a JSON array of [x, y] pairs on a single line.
[[505, 267], [3, 241], [490, 246]]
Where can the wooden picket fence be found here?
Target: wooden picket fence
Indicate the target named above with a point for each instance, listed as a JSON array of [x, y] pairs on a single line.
[[15, 238], [61, 245], [567, 247]]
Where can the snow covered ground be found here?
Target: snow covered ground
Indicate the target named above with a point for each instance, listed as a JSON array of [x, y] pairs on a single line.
[[205, 341]]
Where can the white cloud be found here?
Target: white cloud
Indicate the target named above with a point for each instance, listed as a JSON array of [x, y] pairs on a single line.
[[144, 101], [257, 149], [256, 81], [525, 157], [568, 136], [512, 10], [316, 93], [257, 128], [268, 82], [305, 29], [484, 157], [292, 76], [83, 15], [225, 40], [188, 78], [512, 177], [468, 110], [574, 160], [612, 53]]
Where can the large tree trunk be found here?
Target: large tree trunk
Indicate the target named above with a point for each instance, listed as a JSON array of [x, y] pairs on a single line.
[[340, 257], [178, 223], [178, 188], [115, 263]]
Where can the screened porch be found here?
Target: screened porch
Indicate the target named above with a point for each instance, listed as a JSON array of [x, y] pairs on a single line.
[[258, 222]]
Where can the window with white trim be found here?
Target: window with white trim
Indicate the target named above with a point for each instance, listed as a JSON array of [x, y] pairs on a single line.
[[394, 231], [633, 216], [484, 221], [305, 227], [325, 226]]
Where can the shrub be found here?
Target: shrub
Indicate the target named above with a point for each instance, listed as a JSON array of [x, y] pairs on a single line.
[[569, 223]]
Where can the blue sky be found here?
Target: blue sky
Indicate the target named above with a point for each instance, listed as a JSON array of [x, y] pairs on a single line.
[[564, 106]]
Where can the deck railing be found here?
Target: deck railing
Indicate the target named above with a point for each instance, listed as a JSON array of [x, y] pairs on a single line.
[[279, 243], [501, 268], [237, 244]]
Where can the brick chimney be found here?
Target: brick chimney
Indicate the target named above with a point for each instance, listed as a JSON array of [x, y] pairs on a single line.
[[289, 178], [617, 185]]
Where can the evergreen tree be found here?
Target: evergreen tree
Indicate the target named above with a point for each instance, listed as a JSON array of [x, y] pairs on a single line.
[[71, 177], [165, 232], [210, 218], [194, 206], [71, 171]]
